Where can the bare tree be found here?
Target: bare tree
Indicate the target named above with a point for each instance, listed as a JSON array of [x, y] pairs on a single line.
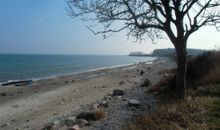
[[176, 18]]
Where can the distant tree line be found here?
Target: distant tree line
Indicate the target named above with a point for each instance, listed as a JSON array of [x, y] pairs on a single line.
[[168, 52]]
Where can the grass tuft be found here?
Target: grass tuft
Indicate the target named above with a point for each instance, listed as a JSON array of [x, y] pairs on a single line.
[[99, 114]]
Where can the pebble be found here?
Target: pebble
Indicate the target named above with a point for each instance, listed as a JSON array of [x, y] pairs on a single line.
[[81, 122], [96, 106], [4, 94], [6, 124], [20, 92], [134, 103], [70, 121], [165, 75], [15, 106], [117, 97], [142, 72], [108, 98], [49, 127], [122, 82], [61, 103], [146, 83], [56, 122], [87, 116], [104, 103], [118, 92], [13, 120], [75, 127]]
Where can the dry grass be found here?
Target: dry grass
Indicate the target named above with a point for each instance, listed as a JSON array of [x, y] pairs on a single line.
[[99, 114], [204, 69], [201, 111], [212, 77]]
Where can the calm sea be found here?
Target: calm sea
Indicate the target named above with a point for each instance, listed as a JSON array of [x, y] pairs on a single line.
[[18, 67]]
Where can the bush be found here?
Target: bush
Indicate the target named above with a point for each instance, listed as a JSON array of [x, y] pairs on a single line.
[[202, 70]]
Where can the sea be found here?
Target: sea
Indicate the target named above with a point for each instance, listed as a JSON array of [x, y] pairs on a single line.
[[26, 66]]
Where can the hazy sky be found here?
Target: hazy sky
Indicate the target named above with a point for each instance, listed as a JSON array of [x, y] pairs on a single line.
[[43, 27]]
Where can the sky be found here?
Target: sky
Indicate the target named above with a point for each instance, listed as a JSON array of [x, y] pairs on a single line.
[[43, 27]]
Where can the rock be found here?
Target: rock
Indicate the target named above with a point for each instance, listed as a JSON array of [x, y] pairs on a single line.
[[118, 92], [142, 72], [107, 98], [117, 97], [104, 103], [20, 92], [122, 82], [15, 106], [124, 99], [49, 127], [134, 103], [61, 103], [6, 124], [56, 122], [90, 123], [146, 83], [70, 121], [96, 106], [165, 75], [189, 98], [66, 81], [3, 94], [87, 116], [13, 120], [75, 127], [81, 122]]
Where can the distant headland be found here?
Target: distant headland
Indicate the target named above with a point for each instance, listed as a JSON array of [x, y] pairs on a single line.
[[168, 52]]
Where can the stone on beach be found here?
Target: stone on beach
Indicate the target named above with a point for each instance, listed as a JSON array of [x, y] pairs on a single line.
[[104, 103], [56, 122], [6, 124], [96, 106], [146, 83], [117, 97], [122, 82], [3, 94], [118, 92], [20, 92], [75, 127], [134, 103], [107, 98], [87, 116], [49, 127], [142, 72], [61, 103], [81, 122], [70, 121]]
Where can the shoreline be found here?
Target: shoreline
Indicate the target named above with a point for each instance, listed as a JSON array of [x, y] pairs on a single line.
[[84, 71], [33, 107]]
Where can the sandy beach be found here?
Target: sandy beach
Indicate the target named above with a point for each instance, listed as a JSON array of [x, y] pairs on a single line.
[[33, 107]]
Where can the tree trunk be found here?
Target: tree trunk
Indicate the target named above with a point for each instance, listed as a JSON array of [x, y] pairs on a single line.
[[181, 70]]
